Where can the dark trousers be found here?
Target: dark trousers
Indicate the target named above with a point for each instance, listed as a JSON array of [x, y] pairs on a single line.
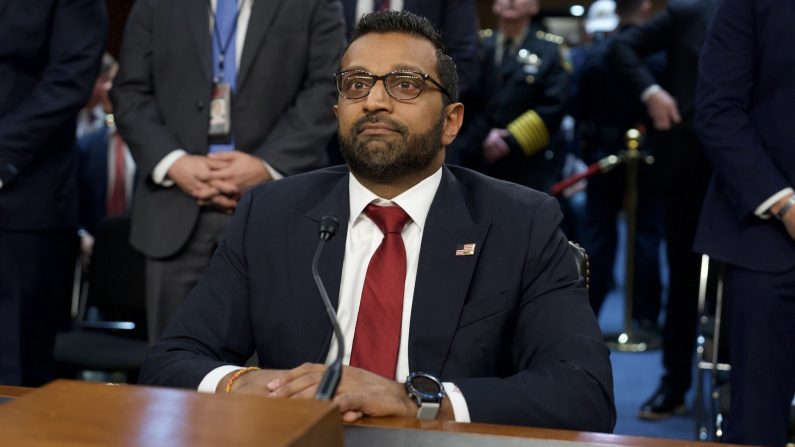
[[169, 280], [605, 198], [761, 330], [36, 273], [684, 176]]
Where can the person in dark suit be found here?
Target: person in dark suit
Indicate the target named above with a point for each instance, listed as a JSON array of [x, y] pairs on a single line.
[[266, 66], [486, 293], [49, 60], [604, 112], [744, 117], [520, 100], [457, 19], [683, 170]]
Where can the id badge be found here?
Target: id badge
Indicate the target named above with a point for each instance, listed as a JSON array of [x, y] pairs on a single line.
[[220, 113]]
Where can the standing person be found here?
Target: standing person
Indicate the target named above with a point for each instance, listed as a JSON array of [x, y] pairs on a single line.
[[49, 59], [604, 113], [683, 170], [519, 103], [745, 119], [463, 280], [214, 98]]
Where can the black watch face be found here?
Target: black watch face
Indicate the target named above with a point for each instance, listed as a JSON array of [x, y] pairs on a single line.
[[425, 385]]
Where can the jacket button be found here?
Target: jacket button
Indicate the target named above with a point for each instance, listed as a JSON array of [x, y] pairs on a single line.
[[199, 105]]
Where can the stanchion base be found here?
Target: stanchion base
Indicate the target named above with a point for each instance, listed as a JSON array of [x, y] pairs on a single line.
[[625, 342]]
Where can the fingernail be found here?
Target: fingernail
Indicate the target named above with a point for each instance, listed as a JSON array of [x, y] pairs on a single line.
[[273, 384]]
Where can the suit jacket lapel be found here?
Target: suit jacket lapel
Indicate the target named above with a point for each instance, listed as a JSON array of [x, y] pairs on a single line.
[[314, 329], [442, 277], [199, 20], [262, 14]]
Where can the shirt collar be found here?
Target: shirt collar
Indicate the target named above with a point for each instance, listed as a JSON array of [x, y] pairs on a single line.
[[416, 201]]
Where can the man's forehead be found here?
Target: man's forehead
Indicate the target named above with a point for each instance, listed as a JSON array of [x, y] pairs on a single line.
[[382, 52]]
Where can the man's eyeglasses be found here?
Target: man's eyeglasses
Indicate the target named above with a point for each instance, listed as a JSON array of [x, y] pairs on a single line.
[[402, 85]]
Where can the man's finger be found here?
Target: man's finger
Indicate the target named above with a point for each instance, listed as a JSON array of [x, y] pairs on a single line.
[[226, 187], [217, 163], [351, 416], [297, 385], [204, 191], [226, 156]]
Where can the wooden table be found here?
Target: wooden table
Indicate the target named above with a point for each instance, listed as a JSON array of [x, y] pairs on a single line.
[[148, 416]]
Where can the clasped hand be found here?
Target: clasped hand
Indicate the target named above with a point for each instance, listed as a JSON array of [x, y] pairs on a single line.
[[218, 179], [360, 393]]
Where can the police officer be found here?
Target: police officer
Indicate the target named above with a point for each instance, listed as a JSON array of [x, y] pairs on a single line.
[[520, 103]]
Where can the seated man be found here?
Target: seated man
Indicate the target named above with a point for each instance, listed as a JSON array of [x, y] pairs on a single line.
[[473, 283]]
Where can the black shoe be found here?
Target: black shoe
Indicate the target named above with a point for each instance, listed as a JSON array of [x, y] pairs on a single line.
[[664, 403]]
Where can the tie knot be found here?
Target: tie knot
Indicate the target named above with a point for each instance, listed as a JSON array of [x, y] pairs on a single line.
[[390, 219]]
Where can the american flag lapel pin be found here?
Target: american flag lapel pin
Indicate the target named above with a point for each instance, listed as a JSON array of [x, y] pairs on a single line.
[[465, 249]]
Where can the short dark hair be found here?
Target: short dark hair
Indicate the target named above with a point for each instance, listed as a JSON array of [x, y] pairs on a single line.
[[405, 22]]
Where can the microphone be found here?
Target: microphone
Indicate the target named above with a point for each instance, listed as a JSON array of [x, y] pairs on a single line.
[[331, 377]]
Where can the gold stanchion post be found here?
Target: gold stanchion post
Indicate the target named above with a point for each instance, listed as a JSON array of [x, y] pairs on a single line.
[[627, 340]]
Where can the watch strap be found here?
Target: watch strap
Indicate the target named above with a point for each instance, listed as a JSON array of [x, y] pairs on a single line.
[[428, 410]]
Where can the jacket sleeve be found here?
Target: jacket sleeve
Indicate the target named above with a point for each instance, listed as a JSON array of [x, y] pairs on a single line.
[[532, 130], [77, 39], [628, 50], [308, 124], [723, 102]]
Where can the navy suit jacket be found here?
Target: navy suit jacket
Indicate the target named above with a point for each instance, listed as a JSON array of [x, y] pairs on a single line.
[[508, 325], [457, 19], [49, 59], [746, 121]]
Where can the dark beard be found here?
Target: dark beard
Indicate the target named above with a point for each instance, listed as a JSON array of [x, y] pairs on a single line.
[[384, 161]]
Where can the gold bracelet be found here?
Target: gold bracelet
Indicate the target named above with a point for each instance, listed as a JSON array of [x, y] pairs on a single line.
[[237, 375]]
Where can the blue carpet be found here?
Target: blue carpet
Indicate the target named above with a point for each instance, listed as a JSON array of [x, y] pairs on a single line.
[[636, 375]]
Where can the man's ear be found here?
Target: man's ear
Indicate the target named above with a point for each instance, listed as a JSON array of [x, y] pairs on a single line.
[[334, 109], [453, 118]]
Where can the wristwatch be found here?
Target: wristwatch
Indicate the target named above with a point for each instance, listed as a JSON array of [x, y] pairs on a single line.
[[427, 391]]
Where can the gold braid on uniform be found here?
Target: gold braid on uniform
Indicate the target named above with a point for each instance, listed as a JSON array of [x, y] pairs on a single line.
[[530, 132]]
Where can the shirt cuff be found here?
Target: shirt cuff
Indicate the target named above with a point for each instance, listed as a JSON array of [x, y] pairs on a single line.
[[211, 380], [650, 90], [160, 171], [763, 210], [275, 175], [458, 401]]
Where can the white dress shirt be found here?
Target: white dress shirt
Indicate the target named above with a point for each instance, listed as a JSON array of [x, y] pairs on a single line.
[[363, 238]]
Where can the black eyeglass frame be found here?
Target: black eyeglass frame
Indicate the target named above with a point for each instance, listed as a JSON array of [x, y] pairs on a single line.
[[425, 77]]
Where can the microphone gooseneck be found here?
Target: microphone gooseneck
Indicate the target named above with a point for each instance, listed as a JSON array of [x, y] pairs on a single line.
[[331, 377]]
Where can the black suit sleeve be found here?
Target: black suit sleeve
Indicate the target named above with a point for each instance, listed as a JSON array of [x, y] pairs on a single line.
[[76, 43], [628, 50], [308, 124], [564, 377], [134, 98], [724, 99]]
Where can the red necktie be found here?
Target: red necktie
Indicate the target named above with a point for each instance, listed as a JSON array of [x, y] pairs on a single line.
[[380, 5], [377, 337], [117, 200]]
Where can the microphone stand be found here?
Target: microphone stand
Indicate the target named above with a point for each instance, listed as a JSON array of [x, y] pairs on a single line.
[[333, 374]]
